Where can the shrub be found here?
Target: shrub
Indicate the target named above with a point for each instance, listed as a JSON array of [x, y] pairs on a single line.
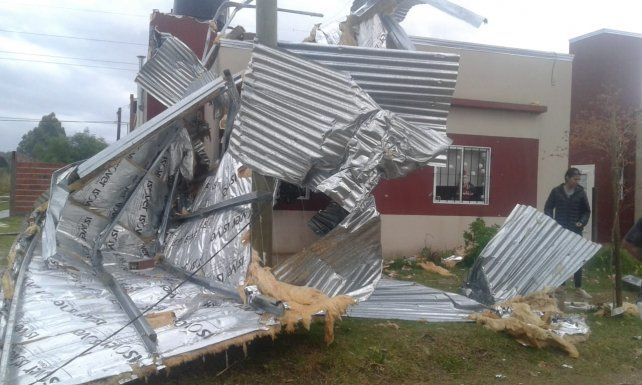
[[602, 261], [429, 255], [5, 181], [476, 238]]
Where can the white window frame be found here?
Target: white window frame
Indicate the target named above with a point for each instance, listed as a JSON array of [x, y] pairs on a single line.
[[486, 201]]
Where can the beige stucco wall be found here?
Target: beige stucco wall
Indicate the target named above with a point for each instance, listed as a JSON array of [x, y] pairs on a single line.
[[290, 231], [405, 235], [522, 79]]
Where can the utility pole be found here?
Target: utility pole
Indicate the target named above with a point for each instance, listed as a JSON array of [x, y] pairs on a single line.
[[140, 106], [118, 113], [266, 22], [261, 231]]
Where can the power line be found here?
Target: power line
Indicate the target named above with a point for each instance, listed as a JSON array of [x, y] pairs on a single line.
[[73, 37], [18, 119], [75, 9], [68, 57], [69, 64]]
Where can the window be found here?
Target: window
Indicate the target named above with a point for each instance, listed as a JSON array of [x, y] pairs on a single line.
[[465, 179]]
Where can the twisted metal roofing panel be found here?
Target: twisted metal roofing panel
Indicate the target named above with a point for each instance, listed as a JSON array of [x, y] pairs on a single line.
[[529, 253]]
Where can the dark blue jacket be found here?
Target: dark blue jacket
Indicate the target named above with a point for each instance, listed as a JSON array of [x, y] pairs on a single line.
[[567, 211]]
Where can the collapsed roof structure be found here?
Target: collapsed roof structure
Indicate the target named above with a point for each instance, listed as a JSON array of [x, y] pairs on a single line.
[[151, 253]]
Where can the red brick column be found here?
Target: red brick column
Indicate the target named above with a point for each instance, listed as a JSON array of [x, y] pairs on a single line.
[[28, 181]]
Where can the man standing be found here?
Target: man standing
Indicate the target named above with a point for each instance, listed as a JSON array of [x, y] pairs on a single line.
[[568, 205]]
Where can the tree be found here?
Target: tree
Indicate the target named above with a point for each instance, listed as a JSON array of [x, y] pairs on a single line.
[[608, 130], [48, 129], [49, 143], [84, 145]]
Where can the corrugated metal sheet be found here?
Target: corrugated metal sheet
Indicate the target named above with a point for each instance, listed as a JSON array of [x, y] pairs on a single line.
[[530, 252], [416, 85], [168, 74], [323, 131], [408, 83], [411, 301], [346, 261]]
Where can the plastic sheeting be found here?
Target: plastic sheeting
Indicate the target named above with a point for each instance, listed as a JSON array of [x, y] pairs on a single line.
[[529, 253], [323, 131]]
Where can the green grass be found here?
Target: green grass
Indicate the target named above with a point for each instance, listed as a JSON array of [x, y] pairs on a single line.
[[5, 181], [373, 352], [367, 352], [4, 205], [14, 225]]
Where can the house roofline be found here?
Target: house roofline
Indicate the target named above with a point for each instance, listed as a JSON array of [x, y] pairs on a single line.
[[605, 31], [491, 48], [447, 44]]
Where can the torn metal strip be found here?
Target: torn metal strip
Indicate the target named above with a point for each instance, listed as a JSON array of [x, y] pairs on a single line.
[[396, 34], [445, 6], [529, 253], [400, 8], [372, 33], [393, 299]]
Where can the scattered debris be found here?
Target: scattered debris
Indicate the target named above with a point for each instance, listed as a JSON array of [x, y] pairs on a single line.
[[452, 261], [535, 321], [607, 310], [574, 306], [302, 302], [633, 280], [389, 324], [567, 366], [431, 267], [500, 376]]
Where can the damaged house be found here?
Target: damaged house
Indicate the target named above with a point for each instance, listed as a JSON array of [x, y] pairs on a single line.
[[509, 123], [179, 239]]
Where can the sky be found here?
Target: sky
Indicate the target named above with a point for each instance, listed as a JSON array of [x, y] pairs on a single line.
[[85, 96]]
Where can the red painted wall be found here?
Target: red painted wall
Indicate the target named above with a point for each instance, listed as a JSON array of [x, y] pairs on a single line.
[[513, 180], [606, 60], [189, 30]]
